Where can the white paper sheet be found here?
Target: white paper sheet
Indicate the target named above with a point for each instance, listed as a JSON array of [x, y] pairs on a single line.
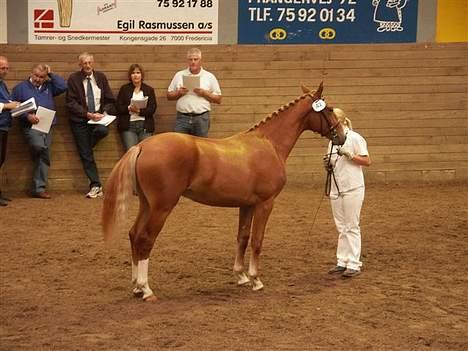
[[105, 121], [25, 107], [46, 118], [191, 82], [140, 103]]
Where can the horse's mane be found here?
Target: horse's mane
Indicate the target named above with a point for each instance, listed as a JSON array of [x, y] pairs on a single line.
[[277, 112]]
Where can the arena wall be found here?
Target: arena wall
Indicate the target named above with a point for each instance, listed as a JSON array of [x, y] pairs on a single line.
[[408, 100]]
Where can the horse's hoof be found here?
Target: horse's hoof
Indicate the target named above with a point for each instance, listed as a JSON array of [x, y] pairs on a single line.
[[151, 298], [257, 284], [243, 278], [137, 292]]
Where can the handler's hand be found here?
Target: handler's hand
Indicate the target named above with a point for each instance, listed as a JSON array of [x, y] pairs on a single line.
[[347, 153], [326, 162]]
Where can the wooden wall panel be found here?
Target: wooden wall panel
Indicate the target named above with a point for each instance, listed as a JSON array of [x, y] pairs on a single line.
[[410, 101]]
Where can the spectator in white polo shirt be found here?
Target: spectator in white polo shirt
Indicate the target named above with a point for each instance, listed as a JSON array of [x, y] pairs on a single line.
[[194, 100]]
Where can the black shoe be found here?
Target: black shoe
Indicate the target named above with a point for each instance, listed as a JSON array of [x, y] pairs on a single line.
[[4, 198], [336, 269], [3, 202], [350, 273]]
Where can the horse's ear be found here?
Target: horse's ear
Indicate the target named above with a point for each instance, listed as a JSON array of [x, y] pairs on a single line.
[[305, 90], [318, 93]]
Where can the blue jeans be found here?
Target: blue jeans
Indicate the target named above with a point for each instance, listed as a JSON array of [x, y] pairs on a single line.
[[86, 137], [193, 125], [39, 145], [136, 132]]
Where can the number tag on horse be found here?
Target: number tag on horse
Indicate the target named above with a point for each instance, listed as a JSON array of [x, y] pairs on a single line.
[[318, 105]]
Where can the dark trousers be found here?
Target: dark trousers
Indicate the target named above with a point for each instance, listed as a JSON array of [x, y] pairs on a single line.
[[86, 137], [3, 149], [3, 146]]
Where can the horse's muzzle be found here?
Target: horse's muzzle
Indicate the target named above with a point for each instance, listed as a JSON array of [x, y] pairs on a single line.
[[336, 139]]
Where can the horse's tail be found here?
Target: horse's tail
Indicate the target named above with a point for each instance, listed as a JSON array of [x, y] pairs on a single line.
[[119, 188]]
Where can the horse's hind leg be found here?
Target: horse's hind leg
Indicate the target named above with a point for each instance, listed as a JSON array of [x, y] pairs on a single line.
[[142, 244], [245, 223], [261, 214], [138, 227]]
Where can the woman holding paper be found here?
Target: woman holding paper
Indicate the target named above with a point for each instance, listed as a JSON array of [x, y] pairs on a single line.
[[42, 85], [136, 105]]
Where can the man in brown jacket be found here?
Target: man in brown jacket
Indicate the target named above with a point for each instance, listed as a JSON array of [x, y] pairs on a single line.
[[89, 97]]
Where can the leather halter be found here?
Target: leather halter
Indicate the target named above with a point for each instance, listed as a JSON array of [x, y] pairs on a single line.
[[331, 127]]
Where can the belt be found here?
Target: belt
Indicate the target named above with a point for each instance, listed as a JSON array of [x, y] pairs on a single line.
[[193, 114]]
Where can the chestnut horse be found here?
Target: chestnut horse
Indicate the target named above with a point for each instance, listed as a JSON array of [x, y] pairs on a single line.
[[246, 170]]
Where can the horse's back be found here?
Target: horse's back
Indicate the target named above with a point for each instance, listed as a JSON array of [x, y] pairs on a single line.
[[234, 171]]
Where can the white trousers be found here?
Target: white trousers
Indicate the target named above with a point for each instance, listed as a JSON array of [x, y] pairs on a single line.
[[346, 210]]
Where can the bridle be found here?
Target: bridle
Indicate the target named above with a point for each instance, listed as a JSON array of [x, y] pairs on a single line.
[[331, 133]]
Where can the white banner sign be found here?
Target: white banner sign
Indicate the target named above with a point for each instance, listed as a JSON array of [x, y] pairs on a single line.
[[152, 22]]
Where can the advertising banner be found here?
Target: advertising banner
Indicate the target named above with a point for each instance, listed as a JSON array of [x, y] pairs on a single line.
[[153, 22], [327, 21]]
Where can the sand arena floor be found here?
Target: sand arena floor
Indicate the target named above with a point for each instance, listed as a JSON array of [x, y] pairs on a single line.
[[63, 289]]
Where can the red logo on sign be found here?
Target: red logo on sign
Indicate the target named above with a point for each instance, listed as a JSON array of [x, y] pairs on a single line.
[[43, 18]]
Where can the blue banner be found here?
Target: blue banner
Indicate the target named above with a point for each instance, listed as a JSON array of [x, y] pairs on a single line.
[[327, 21]]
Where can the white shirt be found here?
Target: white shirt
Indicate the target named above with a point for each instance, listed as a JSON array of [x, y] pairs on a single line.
[[191, 102], [348, 174], [96, 91]]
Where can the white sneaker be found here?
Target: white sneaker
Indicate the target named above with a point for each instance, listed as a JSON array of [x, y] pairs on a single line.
[[96, 191]]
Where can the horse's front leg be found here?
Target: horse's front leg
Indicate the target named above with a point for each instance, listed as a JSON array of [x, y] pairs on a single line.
[[261, 214], [243, 235]]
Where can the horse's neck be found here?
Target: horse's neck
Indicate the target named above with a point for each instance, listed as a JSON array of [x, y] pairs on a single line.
[[284, 129]]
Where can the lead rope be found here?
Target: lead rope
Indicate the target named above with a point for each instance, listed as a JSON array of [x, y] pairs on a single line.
[[316, 212], [330, 175], [323, 195]]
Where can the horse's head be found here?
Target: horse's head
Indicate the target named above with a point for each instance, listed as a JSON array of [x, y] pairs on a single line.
[[321, 118]]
